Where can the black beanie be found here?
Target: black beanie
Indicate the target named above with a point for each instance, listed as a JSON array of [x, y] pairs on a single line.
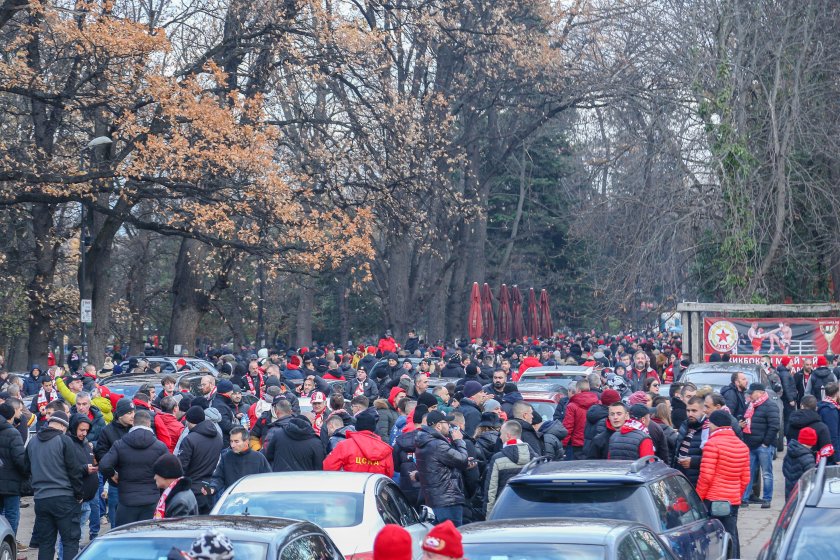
[[195, 415], [427, 399], [720, 419], [471, 370], [366, 420], [419, 411], [124, 406], [168, 466], [7, 411]]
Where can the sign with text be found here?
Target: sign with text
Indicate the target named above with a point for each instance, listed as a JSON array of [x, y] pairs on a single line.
[[87, 311]]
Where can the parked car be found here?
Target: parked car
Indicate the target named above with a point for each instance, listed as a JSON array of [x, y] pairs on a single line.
[[128, 384], [719, 374], [8, 546], [560, 374], [383, 363], [575, 539], [168, 364], [351, 507], [543, 402], [644, 491], [254, 538], [807, 525]]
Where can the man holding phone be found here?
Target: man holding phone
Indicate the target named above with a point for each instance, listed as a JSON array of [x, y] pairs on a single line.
[[442, 458]]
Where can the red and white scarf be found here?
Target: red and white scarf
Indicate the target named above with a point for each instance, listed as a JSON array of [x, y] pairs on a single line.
[[160, 508], [360, 389], [722, 430], [751, 410], [634, 424], [44, 399], [832, 403], [826, 451], [318, 422], [250, 381]]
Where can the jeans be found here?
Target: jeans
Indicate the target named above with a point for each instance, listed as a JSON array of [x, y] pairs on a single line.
[[103, 505], [113, 502], [455, 514], [730, 525], [94, 515], [763, 457], [58, 516], [10, 509]]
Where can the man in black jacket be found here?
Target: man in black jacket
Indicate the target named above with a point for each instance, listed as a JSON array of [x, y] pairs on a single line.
[[679, 404], [199, 454], [361, 385], [57, 483], [691, 438], [761, 428], [176, 499], [496, 389], [471, 405], [223, 403], [808, 417], [734, 394], [292, 444], [441, 463], [80, 426], [12, 467], [236, 462], [789, 394], [130, 462], [113, 432]]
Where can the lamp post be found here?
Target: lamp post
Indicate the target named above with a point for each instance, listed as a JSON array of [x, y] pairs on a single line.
[[85, 304]]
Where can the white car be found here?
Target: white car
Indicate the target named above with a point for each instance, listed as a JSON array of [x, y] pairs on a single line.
[[350, 507]]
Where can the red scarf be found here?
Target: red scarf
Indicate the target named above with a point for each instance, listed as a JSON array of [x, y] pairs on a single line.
[[634, 424], [720, 431], [319, 421], [44, 399], [251, 383], [160, 508], [826, 451], [832, 402], [751, 410]]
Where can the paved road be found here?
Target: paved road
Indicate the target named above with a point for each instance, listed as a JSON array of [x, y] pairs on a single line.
[[754, 524]]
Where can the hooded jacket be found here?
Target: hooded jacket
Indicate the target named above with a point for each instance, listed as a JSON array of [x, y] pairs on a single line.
[[735, 400], [405, 464], [170, 424], [820, 377], [54, 465], [292, 445], [32, 384], [805, 418], [528, 362], [97, 423], [181, 501], [133, 457], [199, 453], [387, 418], [12, 459], [361, 452], [233, 466], [798, 460], [440, 466], [596, 423], [552, 433], [84, 451], [575, 420], [503, 466]]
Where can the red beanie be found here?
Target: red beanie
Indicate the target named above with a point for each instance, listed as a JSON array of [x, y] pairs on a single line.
[[807, 436], [822, 361], [785, 360], [444, 539], [371, 350], [392, 543], [610, 396], [394, 392]]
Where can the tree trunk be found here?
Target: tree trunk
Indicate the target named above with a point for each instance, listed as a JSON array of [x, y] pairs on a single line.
[[306, 303], [190, 299], [39, 289], [342, 293], [399, 300], [138, 276]]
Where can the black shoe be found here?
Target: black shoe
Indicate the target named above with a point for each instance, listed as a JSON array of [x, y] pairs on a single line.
[[765, 505], [745, 504], [756, 501]]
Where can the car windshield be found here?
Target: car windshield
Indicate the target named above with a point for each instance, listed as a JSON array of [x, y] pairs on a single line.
[[604, 502], [157, 548], [127, 390], [325, 509], [533, 551], [815, 535], [545, 409]]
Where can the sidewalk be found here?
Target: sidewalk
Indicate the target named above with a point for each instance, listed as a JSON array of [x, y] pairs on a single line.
[[755, 525]]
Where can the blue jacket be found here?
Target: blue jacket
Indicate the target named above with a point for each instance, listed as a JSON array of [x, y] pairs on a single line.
[[830, 415]]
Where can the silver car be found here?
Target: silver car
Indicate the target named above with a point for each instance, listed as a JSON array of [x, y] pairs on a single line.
[[8, 547], [350, 507]]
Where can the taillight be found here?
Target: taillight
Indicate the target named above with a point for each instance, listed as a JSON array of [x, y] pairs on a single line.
[[360, 556]]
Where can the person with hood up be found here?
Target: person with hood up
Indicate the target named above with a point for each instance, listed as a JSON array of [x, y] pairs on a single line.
[[292, 370], [596, 419], [199, 453], [799, 458], [441, 463], [575, 421], [12, 468], [820, 377], [512, 396], [387, 344], [80, 426], [505, 464], [808, 417], [292, 444], [223, 403], [362, 450], [32, 382], [130, 462], [471, 405], [388, 415], [176, 498], [113, 432], [631, 440], [85, 407], [551, 434], [404, 457]]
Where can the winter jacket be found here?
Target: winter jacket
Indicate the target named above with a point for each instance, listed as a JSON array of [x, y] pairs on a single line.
[[529, 362], [225, 407], [292, 445], [32, 384], [54, 465], [596, 423], [181, 501], [560, 409], [369, 388], [552, 434], [735, 400], [453, 370], [830, 415], [12, 459], [805, 418], [472, 415], [84, 453], [679, 412], [629, 444], [361, 452], [199, 453], [660, 442], [670, 436], [820, 377], [133, 458], [725, 468], [764, 428], [529, 436], [440, 467], [233, 466], [511, 399], [387, 418], [411, 345], [789, 393], [696, 436], [404, 464], [171, 425], [503, 466], [600, 448], [112, 433], [102, 404], [798, 460], [97, 423], [575, 420], [487, 445]]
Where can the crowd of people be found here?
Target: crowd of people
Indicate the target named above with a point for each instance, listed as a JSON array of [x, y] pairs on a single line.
[[96, 454]]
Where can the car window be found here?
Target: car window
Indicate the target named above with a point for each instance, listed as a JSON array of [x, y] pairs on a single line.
[[815, 535], [533, 551], [698, 508], [408, 514], [650, 546], [387, 506], [627, 550], [157, 546], [325, 509], [673, 505], [783, 523], [309, 547]]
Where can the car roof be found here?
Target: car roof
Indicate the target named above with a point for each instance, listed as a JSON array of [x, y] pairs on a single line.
[[592, 472], [821, 486], [567, 370], [722, 367], [541, 530], [323, 481], [235, 527], [543, 396], [132, 379]]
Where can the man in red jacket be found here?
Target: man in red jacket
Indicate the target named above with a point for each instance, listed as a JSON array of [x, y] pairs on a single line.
[[363, 450], [575, 420], [724, 471], [530, 361]]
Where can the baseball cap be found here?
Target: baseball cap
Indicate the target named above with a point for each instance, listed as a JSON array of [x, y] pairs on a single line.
[[436, 416], [318, 397]]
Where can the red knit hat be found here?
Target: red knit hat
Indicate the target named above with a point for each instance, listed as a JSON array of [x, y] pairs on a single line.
[[444, 539], [394, 392], [785, 360], [610, 396], [808, 436], [392, 543], [822, 361]]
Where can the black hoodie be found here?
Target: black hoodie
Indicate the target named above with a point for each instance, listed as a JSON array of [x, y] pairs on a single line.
[[805, 418], [292, 445], [199, 453], [84, 450], [133, 457]]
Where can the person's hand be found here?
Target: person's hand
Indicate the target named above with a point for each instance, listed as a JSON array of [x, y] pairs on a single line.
[[413, 476], [685, 462], [456, 435], [791, 403], [116, 478]]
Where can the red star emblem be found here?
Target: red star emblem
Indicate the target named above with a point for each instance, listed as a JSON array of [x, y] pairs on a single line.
[[723, 336]]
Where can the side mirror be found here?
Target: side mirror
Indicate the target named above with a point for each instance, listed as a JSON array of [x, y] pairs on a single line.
[[427, 515], [720, 508]]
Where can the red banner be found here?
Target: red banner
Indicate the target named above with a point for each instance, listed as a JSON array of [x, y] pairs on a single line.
[[746, 340]]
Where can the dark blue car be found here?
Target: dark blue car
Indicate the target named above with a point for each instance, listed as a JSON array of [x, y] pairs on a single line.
[[645, 491]]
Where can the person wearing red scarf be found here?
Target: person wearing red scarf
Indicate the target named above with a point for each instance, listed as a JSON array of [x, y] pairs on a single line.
[[761, 428], [176, 499]]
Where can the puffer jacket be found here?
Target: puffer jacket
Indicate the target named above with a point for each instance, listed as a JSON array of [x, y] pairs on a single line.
[[387, 418], [292, 445], [552, 434], [361, 452], [472, 415], [694, 431], [199, 453], [798, 460], [725, 469], [440, 465], [503, 466], [806, 418], [575, 421], [735, 400], [170, 424], [133, 457], [369, 389], [669, 433], [529, 436], [511, 399], [112, 433], [12, 459], [830, 414], [596, 423], [764, 427], [529, 362], [405, 464], [487, 445]]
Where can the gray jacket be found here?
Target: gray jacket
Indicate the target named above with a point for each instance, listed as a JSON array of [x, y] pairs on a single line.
[[56, 471]]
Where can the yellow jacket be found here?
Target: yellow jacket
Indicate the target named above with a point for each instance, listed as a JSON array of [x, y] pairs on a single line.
[[102, 403]]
